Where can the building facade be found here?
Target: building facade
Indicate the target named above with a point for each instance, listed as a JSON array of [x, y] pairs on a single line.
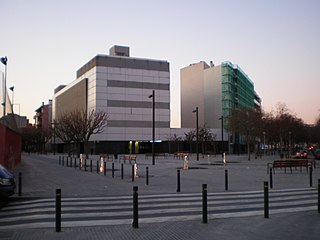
[[216, 91], [120, 85], [43, 116]]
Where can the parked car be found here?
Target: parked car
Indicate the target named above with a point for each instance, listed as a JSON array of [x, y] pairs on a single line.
[[7, 183], [301, 154]]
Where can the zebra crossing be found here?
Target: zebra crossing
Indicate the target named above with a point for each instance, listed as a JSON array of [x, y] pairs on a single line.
[[117, 210]]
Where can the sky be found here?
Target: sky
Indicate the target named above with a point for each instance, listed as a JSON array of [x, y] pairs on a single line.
[[275, 42]]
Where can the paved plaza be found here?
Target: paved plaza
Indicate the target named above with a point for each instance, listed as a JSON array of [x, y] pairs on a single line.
[[42, 175]]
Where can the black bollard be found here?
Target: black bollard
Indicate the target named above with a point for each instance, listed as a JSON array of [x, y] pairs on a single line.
[[147, 175], [204, 204], [58, 210], [271, 178], [310, 174], [104, 168], [132, 173], [135, 223], [20, 183], [59, 160], [266, 200], [121, 170], [80, 163], [178, 181], [71, 162], [112, 170], [318, 195], [85, 164], [67, 161], [226, 179], [75, 162], [63, 161], [97, 166], [90, 165]]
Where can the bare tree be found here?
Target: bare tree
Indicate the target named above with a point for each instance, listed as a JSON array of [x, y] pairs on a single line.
[[35, 139], [78, 126], [175, 140], [284, 128], [189, 137], [205, 137], [246, 122]]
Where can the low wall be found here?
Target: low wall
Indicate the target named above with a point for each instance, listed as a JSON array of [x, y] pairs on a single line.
[[10, 147]]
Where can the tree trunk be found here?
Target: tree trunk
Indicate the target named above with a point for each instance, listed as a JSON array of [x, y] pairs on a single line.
[[86, 148]]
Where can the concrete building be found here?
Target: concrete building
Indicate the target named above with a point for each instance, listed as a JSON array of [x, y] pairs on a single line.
[[216, 91], [120, 85]]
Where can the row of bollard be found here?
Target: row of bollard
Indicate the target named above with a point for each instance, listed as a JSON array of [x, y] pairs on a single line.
[[135, 223], [134, 172], [101, 166]]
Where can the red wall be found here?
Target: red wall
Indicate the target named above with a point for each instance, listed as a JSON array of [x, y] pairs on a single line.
[[10, 147]]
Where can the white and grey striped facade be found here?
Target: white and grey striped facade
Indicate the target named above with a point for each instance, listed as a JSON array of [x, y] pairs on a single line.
[[121, 85]]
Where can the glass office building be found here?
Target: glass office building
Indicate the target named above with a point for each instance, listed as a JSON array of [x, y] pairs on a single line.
[[237, 89]]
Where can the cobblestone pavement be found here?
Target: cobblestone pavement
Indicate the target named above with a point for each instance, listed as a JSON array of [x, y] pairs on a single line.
[[42, 174]]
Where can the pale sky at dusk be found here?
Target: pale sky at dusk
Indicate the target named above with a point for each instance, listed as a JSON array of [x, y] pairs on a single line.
[[276, 42]]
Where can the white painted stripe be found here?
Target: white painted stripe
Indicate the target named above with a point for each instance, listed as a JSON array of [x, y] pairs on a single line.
[[150, 203], [151, 220], [154, 211]]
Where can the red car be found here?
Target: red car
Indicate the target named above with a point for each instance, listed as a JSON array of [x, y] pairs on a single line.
[[301, 154]]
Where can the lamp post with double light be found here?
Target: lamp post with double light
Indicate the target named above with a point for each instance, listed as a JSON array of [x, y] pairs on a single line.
[[12, 90], [222, 148], [197, 131], [153, 125], [4, 61]]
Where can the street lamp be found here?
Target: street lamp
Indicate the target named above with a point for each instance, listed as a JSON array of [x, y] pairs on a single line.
[[153, 125], [197, 136], [290, 144], [12, 89], [264, 143], [4, 61], [222, 148], [54, 136]]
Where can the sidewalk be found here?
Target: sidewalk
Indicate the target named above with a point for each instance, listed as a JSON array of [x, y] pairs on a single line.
[[42, 174]]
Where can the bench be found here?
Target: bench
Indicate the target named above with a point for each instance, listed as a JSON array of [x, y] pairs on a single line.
[[107, 157], [164, 155], [129, 158], [290, 164]]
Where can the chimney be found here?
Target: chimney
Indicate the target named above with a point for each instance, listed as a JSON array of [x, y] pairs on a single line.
[[119, 51]]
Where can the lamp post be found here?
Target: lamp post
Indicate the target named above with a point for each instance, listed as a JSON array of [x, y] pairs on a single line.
[[12, 89], [54, 136], [222, 148], [197, 133], [18, 104], [4, 61], [264, 143], [290, 144], [153, 125]]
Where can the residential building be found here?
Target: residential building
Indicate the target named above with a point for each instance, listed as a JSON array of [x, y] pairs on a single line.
[[216, 91], [43, 116]]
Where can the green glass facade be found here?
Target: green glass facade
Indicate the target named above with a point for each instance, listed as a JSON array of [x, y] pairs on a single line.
[[237, 89]]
